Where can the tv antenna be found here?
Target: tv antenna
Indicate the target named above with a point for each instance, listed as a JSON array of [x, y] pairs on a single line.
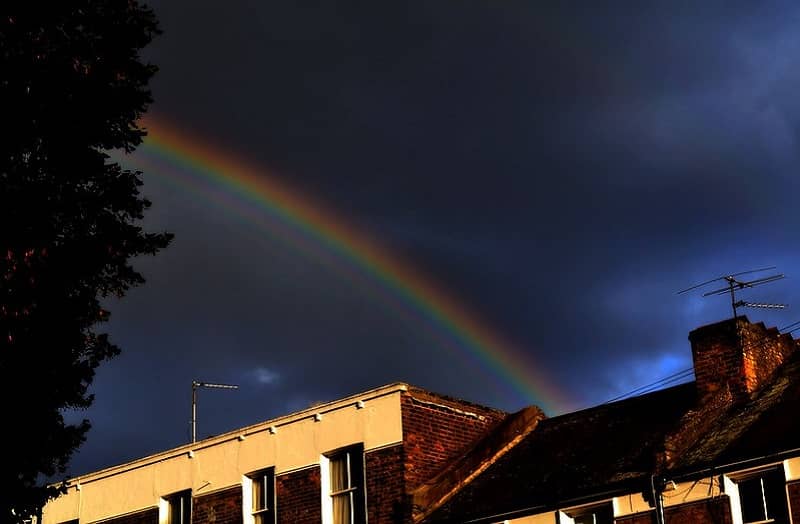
[[195, 386], [734, 284]]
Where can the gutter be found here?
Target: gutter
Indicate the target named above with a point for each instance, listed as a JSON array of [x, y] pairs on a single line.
[[656, 488], [658, 498], [731, 466]]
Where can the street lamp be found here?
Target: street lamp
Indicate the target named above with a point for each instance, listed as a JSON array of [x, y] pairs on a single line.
[[209, 385]]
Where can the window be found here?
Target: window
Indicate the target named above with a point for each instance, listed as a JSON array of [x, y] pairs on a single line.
[[179, 508], [345, 486], [762, 497], [262, 501], [597, 514]]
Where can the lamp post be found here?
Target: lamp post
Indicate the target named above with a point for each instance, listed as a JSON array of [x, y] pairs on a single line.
[[195, 386]]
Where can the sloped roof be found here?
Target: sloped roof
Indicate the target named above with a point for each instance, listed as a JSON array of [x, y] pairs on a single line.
[[613, 449], [768, 423], [438, 490], [609, 447]]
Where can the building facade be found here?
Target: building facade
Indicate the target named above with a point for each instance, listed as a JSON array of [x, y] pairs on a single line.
[[724, 448], [350, 461]]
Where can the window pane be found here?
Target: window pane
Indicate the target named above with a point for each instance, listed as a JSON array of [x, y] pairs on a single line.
[[347, 486], [259, 495], [763, 497], [751, 498], [341, 509], [775, 496], [180, 507], [600, 515], [339, 473], [186, 508], [263, 502]]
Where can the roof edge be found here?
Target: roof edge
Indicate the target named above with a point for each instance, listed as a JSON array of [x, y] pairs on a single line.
[[511, 431], [325, 407]]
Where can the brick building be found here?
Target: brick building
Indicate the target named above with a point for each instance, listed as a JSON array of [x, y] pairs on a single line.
[[352, 460], [724, 448]]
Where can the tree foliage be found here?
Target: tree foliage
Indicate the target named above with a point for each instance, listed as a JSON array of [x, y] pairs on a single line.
[[72, 88]]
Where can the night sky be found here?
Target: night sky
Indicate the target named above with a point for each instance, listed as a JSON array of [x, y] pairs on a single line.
[[560, 170]]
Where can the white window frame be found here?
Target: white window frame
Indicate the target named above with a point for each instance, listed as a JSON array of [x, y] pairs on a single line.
[[731, 488], [165, 504], [359, 490], [248, 482], [567, 516]]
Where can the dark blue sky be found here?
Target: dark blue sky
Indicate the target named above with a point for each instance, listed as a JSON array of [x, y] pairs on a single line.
[[562, 170]]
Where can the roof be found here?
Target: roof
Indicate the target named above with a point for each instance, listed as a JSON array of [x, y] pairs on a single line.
[[610, 447], [765, 425], [613, 449], [511, 430]]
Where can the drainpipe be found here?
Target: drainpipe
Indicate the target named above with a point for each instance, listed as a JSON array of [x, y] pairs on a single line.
[[656, 490]]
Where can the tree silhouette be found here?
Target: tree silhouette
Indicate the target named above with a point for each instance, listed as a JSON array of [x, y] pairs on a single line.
[[72, 87]]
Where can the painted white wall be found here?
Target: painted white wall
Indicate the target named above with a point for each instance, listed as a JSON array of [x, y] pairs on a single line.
[[221, 462], [630, 504], [690, 491], [542, 518], [791, 468]]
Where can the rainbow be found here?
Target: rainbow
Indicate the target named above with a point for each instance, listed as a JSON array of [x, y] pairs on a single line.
[[255, 195]]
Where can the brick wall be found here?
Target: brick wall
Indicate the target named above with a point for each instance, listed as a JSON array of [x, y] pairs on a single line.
[[793, 489], [148, 516], [764, 350], [639, 518], [220, 507], [299, 497], [386, 500], [732, 359], [737, 355], [708, 511], [436, 429]]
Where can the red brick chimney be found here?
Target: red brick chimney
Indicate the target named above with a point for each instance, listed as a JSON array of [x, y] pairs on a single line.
[[736, 355], [732, 359]]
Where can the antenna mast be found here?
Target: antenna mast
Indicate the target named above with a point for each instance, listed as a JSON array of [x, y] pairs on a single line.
[[195, 386], [733, 285]]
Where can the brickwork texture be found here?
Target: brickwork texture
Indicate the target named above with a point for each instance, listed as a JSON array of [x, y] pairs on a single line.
[[299, 497], [437, 429], [639, 518], [221, 507], [737, 355], [793, 491], [386, 500], [148, 516], [710, 511]]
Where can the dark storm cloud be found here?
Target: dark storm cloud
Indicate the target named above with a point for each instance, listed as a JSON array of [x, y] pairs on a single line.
[[563, 170]]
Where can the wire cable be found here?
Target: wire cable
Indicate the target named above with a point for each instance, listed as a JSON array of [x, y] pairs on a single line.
[[685, 373]]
